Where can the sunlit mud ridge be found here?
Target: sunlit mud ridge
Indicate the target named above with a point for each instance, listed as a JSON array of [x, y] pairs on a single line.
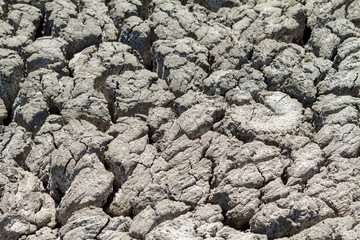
[[179, 120]]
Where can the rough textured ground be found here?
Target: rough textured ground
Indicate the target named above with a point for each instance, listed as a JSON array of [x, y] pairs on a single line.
[[209, 119]]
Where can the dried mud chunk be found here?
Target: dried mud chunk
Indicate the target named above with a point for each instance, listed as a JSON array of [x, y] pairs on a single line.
[[180, 62], [194, 122], [57, 15], [158, 117], [239, 54], [277, 115], [136, 33], [341, 83], [332, 228], [282, 65], [116, 228], [44, 233], [304, 77], [287, 68], [320, 38], [353, 13], [77, 145], [331, 109], [127, 149], [86, 223], [38, 159], [24, 204], [339, 140], [123, 9], [216, 37], [215, 5], [47, 53], [192, 98], [240, 203], [98, 187], [233, 234], [283, 218], [166, 177], [347, 48], [238, 176], [6, 30], [150, 217], [25, 19], [266, 51], [199, 119], [171, 20], [11, 73], [35, 100], [283, 21], [15, 145], [343, 28], [275, 190], [336, 184], [136, 92], [318, 11], [109, 58], [246, 79], [306, 163], [81, 100], [203, 222], [91, 26]]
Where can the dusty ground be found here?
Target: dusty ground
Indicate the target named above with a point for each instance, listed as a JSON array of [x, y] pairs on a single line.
[[129, 119]]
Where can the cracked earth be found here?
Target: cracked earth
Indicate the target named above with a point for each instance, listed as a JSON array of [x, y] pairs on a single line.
[[183, 119]]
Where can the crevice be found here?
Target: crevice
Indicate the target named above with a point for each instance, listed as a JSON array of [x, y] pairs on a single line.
[[52, 108], [211, 60], [102, 228], [245, 227], [321, 77], [40, 30], [306, 35], [110, 199], [211, 178], [285, 176], [286, 151], [53, 137], [144, 14], [8, 142], [8, 119], [111, 108], [78, 6], [68, 162], [71, 73], [264, 179], [335, 53], [5, 12]]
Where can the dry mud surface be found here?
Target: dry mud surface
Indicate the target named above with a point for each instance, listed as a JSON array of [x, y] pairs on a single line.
[[211, 119]]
